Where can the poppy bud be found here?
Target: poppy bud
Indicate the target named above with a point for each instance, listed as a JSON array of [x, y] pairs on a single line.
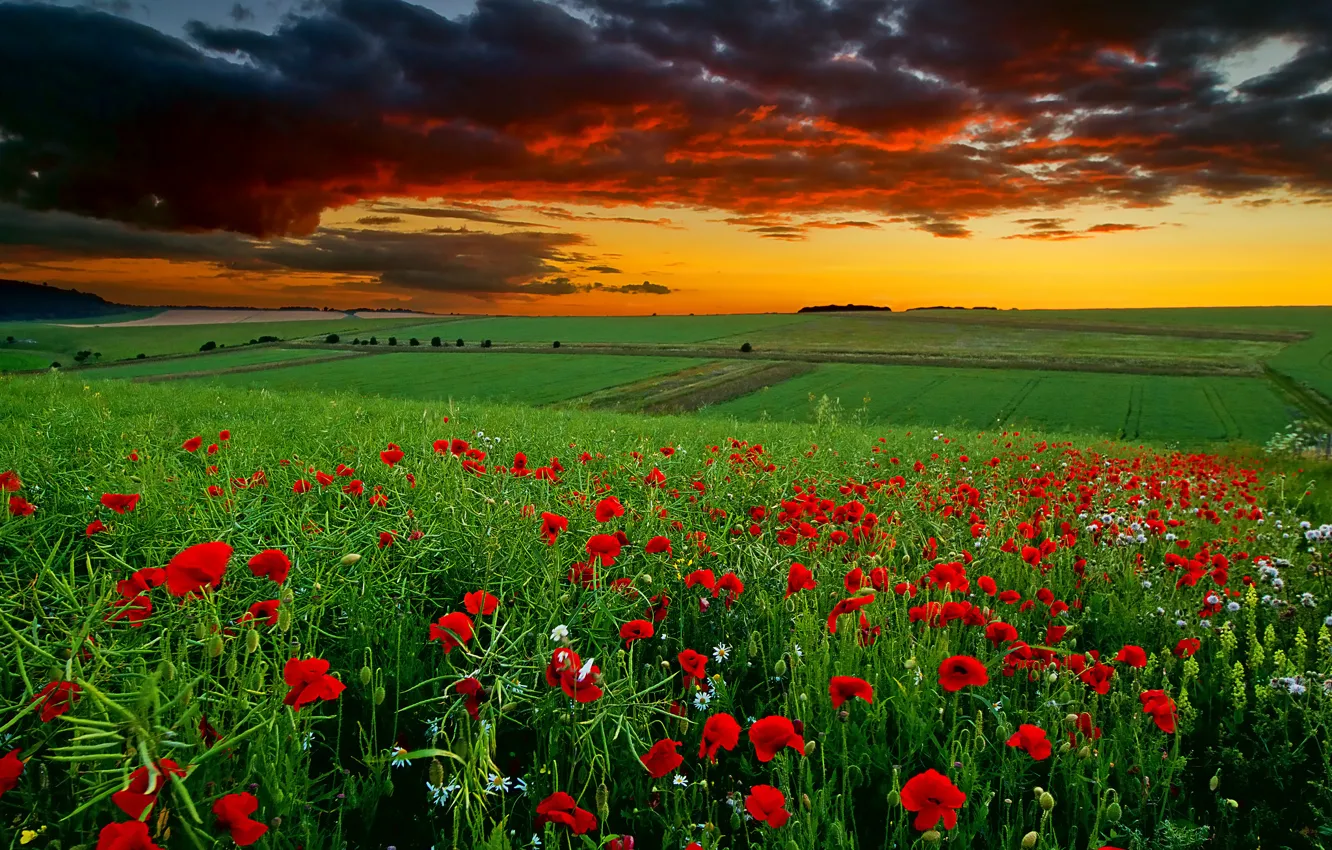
[[603, 802], [278, 796], [214, 646], [232, 667], [251, 640], [1047, 801], [168, 671], [350, 558], [200, 631], [665, 665], [645, 579], [366, 675], [1232, 803], [388, 787], [379, 695], [1114, 812], [910, 664], [1029, 840], [284, 619], [566, 717], [1215, 781], [810, 746], [843, 715], [804, 801], [1084, 753], [1065, 747], [287, 596], [1071, 721], [779, 668], [931, 836], [753, 644], [804, 697], [318, 586], [894, 798], [736, 823], [436, 773]]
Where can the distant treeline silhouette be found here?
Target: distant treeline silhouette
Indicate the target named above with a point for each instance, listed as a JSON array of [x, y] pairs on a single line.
[[844, 308]]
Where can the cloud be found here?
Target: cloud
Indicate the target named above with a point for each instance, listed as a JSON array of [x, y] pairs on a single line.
[[475, 213], [604, 269], [1117, 228], [1056, 230], [788, 229], [379, 219], [644, 288]]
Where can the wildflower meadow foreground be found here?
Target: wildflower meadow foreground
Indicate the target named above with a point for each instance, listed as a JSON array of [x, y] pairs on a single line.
[[294, 621]]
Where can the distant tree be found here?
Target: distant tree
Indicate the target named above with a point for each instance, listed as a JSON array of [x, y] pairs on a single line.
[[55, 364], [9, 339], [393, 340], [459, 343], [97, 355], [208, 346], [436, 342], [332, 339], [374, 341], [81, 356], [485, 343], [140, 356], [413, 341], [556, 345], [268, 339], [356, 341], [746, 348], [253, 342]]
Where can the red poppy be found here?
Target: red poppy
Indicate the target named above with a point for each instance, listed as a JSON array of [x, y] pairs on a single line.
[[933, 797], [1187, 647], [309, 681], [94, 527], [128, 835], [56, 698], [233, 814], [561, 808], [392, 455], [265, 612], [658, 545], [200, 565], [773, 734], [140, 581], [121, 503], [720, 731], [386, 539], [9, 482], [662, 758], [603, 547], [478, 602], [324, 479], [1031, 740], [704, 577], [1097, 677], [134, 610], [767, 805], [19, 506], [11, 768], [1161, 707], [960, 671], [552, 525], [471, 688], [1000, 632], [608, 509], [192, 444], [732, 585], [798, 578], [693, 664], [1133, 656], [636, 630], [141, 793], [846, 606], [843, 688], [1010, 597], [454, 629], [300, 485], [379, 500], [987, 584], [355, 487], [272, 563]]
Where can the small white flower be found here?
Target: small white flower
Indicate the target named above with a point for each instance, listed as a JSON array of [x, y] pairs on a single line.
[[398, 757], [701, 700], [680, 781], [721, 652], [494, 784], [439, 795], [516, 785], [799, 653], [559, 633]]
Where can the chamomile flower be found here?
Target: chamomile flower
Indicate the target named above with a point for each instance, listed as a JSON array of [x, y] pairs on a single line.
[[398, 757], [701, 700], [680, 781], [721, 652], [560, 633]]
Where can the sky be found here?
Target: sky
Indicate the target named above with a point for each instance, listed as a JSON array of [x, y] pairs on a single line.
[[669, 156]]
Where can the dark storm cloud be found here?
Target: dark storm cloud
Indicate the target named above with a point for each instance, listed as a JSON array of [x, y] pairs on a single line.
[[373, 220], [931, 112], [603, 269]]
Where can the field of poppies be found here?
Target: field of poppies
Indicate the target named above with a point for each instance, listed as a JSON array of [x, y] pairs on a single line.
[[290, 620]]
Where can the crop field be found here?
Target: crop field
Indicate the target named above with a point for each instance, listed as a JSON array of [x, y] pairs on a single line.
[[1134, 407], [213, 361], [663, 330], [523, 378], [300, 620]]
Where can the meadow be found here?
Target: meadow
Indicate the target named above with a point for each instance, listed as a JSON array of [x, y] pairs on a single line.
[[324, 620], [220, 360]]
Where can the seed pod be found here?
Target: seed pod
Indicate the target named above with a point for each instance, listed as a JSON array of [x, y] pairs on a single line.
[[645, 579], [753, 644], [1029, 840], [388, 787], [287, 596], [804, 801], [232, 667], [779, 668], [1047, 801], [366, 675], [1085, 752], [603, 802], [1065, 747], [894, 798], [437, 773], [251, 640], [214, 646], [931, 836], [349, 559], [284, 619], [1215, 781], [1114, 812], [736, 823], [200, 630], [168, 671], [380, 694]]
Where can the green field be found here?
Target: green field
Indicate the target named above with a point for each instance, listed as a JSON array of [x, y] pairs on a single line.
[[661, 330], [1147, 407], [493, 376], [213, 361]]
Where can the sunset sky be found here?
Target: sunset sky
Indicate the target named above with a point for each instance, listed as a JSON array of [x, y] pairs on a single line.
[[669, 156]]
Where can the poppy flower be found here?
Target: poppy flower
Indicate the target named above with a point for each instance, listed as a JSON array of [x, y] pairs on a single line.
[[1010, 597], [478, 602], [386, 539], [324, 479], [1031, 740], [134, 610], [766, 804], [720, 731], [11, 768], [309, 681], [662, 758], [603, 547], [470, 687], [127, 835], [94, 527], [56, 698], [636, 630], [1187, 647], [960, 671], [1133, 656], [224, 435], [1097, 677], [562, 809], [355, 487], [272, 563], [300, 486], [704, 577], [192, 444], [933, 797], [608, 509], [658, 545], [141, 792], [265, 612], [200, 565], [732, 585], [233, 814], [19, 506], [773, 734], [846, 606], [392, 455], [1000, 632], [121, 503], [693, 664], [798, 578], [1161, 707], [552, 525], [987, 584], [9, 482], [843, 688], [454, 629]]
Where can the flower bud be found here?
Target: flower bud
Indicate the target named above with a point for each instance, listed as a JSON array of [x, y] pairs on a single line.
[[366, 675], [1065, 747], [1114, 812], [1029, 840], [284, 619], [1085, 752], [810, 746], [251, 640], [603, 802], [1232, 803], [232, 667], [779, 668], [804, 801], [931, 836], [349, 559], [1047, 801], [894, 798], [214, 646], [910, 664], [1215, 781], [380, 695]]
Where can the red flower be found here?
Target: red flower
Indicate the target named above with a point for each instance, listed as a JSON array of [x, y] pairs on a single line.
[[552, 525], [1000, 632], [233, 814], [662, 758], [704, 577], [1133, 656], [959, 671], [733, 586], [987, 584], [561, 808], [386, 539], [1161, 707], [140, 581], [56, 698], [11, 768], [636, 630], [798, 577], [19, 506], [767, 805], [392, 455], [657, 545], [932, 796], [480, 602], [192, 444], [471, 688], [1031, 740], [454, 629], [324, 479], [134, 610], [355, 487], [9, 482], [271, 563], [1187, 647], [1097, 677], [262, 612], [843, 688], [693, 664], [579, 683], [301, 486], [141, 793], [224, 435], [309, 681], [121, 503], [608, 509], [773, 734], [129, 835], [720, 731], [603, 547], [94, 527], [200, 565]]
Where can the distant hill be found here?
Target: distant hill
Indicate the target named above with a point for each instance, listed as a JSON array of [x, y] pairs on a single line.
[[942, 307], [844, 308], [22, 301]]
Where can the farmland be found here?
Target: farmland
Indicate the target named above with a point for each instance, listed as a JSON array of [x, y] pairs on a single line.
[[330, 620], [216, 361]]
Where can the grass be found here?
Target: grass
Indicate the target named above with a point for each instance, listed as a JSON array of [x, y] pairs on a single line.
[[1147, 407], [664, 330], [391, 755], [494, 376], [213, 361]]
